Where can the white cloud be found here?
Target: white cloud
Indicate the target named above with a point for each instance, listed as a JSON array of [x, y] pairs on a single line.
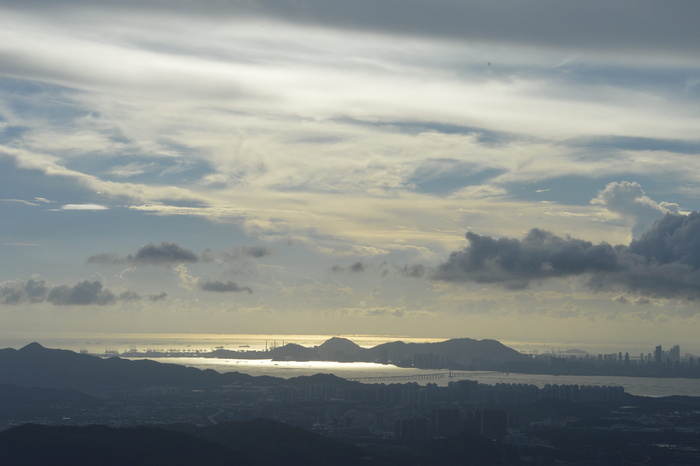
[[628, 200], [83, 207]]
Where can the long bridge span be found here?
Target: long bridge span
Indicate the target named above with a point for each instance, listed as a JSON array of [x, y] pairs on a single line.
[[434, 375]]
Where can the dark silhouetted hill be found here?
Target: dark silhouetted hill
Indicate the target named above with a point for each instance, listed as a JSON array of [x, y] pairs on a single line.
[[459, 352], [36, 366], [293, 352], [256, 442], [15, 399], [464, 450], [276, 444], [36, 445], [338, 349]]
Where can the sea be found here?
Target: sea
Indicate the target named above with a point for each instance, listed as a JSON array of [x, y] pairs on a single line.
[[115, 344]]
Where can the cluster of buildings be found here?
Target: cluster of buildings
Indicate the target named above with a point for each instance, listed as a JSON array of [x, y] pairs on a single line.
[[660, 363], [413, 412]]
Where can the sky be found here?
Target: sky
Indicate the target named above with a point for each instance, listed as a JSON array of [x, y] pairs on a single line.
[[516, 170]]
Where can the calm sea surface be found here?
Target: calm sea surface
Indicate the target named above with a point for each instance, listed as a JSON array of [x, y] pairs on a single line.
[[287, 369]]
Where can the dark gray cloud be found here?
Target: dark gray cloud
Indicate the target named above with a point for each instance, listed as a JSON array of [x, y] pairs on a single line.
[[384, 269], [159, 296], [224, 287], [32, 291], [664, 262], [256, 251], [129, 296], [167, 253], [413, 271], [83, 293], [673, 239], [241, 252], [132, 296], [357, 267], [162, 254], [151, 254], [105, 259], [539, 255]]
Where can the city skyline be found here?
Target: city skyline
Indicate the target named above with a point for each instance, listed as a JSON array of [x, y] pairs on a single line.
[[505, 170]]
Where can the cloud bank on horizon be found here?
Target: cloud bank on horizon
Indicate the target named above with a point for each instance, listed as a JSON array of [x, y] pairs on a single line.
[[316, 165]]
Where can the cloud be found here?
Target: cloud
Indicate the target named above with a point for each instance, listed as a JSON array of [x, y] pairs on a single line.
[[187, 281], [357, 267], [221, 287], [513, 262], [171, 253], [94, 207], [162, 254], [237, 253], [647, 25], [83, 293], [105, 259], [664, 262], [256, 251], [151, 254], [129, 296], [33, 291], [20, 201], [158, 297], [131, 169], [629, 201], [132, 296], [673, 239], [413, 271]]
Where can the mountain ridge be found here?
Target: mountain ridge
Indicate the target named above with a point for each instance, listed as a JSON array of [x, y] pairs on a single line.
[[36, 366], [452, 353]]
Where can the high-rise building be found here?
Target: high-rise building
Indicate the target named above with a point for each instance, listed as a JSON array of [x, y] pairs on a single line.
[[675, 354], [658, 355]]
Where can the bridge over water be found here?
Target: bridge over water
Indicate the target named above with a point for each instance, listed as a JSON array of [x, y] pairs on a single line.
[[434, 375]]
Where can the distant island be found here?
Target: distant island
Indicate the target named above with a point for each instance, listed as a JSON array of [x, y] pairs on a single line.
[[458, 353]]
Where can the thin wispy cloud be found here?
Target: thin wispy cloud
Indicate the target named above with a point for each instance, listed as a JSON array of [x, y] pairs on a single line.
[[83, 207]]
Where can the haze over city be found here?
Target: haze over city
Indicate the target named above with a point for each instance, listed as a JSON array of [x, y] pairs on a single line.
[[506, 170]]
